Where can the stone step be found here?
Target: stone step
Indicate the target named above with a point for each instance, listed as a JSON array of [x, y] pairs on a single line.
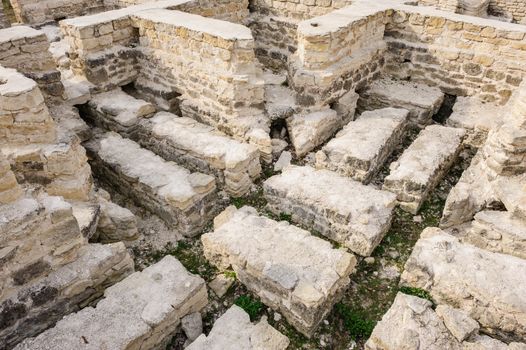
[[421, 100], [233, 330], [199, 147], [361, 148], [117, 111], [423, 164], [310, 130], [497, 231], [293, 272], [320, 199], [37, 306], [487, 285], [142, 311], [476, 117], [196, 146], [413, 321], [184, 200]]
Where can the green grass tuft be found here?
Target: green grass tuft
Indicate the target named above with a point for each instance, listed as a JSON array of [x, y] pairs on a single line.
[[417, 292], [251, 306], [356, 321]]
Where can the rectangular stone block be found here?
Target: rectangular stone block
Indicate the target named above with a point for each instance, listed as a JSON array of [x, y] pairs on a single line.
[[421, 100], [142, 311], [346, 211], [293, 272], [487, 285], [233, 330], [200, 147], [423, 164], [184, 200], [361, 148]]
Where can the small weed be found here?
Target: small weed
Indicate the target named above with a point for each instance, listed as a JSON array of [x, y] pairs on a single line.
[[239, 202], [355, 321], [285, 217], [251, 306], [230, 274], [417, 292]]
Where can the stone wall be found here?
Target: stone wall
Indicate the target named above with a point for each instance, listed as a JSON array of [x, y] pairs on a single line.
[[514, 9], [297, 9], [36, 12], [27, 50], [204, 66], [210, 63], [4, 22], [338, 52], [463, 55]]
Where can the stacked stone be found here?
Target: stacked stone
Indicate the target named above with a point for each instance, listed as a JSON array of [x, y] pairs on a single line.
[[142, 311], [513, 9], [478, 8], [4, 22], [116, 224], [420, 100], [30, 140], [475, 280], [320, 199], [423, 164], [199, 147], [233, 330], [31, 12], [362, 147], [413, 322], [10, 191], [476, 117], [27, 50], [293, 272], [184, 200], [497, 173], [298, 9]]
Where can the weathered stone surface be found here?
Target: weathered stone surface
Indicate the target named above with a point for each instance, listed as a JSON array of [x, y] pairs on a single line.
[[184, 200], [117, 111], [320, 199], [361, 148], [87, 215], [421, 100], [142, 311], [457, 322], [476, 117], [293, 272], [423, 164], [221, 284], [200, 147], [10, 191], [308, 131], [192, 325], [411, 323], [63, 291], [497, 231], [473, 279], [233, 330], [116, 224]]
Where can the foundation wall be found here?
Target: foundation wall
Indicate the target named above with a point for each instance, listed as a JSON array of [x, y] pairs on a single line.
[[35, 12], [463, 55], [297, 9], [514, 10]]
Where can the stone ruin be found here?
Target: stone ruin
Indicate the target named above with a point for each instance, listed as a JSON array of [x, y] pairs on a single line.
[[285, 141]]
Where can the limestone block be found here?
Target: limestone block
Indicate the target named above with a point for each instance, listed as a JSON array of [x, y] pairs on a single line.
[[423, 164], [67, 118], [411, 323], [116, 224], [346, 106], [421, 100], [457, 322], [361, 148], [142, 311], [308, 131], [10, 191], [63, 291], [184, 200], [233, 330], [320, 199], [498, 231], [511, 191], [117, 111], [476, 117], [293, 272], [200, 147], [474, 280]]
